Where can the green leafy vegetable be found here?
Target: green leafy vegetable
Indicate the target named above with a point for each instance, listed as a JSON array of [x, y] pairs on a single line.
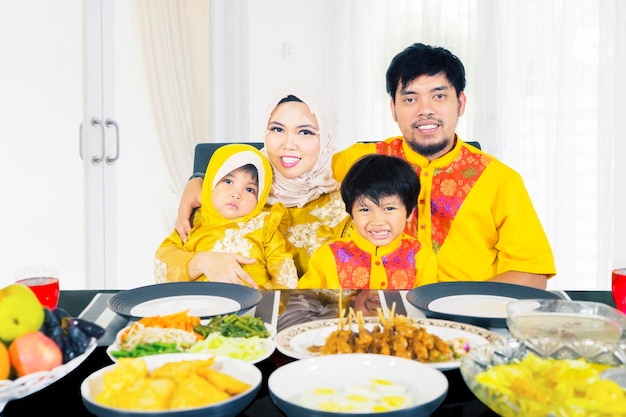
[[233, 325], [146, 350]]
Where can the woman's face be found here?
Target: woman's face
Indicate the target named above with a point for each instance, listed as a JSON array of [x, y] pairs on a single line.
[[292, 140]]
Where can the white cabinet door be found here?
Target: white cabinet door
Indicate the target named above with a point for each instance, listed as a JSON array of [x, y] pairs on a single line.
[[100, 144], [129, 207]]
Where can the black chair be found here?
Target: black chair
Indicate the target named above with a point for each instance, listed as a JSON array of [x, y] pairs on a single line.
[[204, 151], [474, 144]]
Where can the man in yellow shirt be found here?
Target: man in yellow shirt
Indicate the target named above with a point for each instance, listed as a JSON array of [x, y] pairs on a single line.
[[473, 211]]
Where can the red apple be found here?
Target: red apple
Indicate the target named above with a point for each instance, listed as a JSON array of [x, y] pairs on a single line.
[[34, 352]]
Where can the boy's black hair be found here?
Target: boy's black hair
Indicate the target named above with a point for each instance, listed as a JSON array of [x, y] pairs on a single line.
[[419, 59], [377, 176]]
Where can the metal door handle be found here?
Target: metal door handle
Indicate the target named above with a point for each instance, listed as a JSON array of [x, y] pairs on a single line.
[[97, 159], [112, 159]]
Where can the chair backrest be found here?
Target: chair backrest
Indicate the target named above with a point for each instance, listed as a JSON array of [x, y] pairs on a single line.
[[204, 151]]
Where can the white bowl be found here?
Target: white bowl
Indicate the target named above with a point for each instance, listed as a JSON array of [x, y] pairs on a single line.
[[426, 385], [241, 370]]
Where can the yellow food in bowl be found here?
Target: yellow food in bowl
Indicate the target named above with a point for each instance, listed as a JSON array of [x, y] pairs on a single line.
[[174, 385], [538, 386]]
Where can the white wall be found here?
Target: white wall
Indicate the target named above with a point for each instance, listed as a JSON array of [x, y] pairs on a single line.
[[41, 175], [40, 113]]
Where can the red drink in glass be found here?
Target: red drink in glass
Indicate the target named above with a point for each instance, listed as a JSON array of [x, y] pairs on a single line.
[[46, 290], [619, 288]]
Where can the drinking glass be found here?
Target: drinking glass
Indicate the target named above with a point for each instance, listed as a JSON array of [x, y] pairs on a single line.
[[618, 287], [43, 281]]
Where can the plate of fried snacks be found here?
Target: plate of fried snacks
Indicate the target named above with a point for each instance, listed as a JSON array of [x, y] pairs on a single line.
[[204, 299], [240, 337], [439, 343], [172, 385]]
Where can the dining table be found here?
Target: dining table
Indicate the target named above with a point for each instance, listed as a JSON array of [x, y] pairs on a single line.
[[63, 397]]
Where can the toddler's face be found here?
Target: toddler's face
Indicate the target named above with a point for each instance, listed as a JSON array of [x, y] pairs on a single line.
[[379, 224], [236, 194]]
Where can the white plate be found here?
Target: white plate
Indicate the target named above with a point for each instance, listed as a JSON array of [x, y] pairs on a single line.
[[295, 341], [267, 344], [198, 305], [478, 303], [472, 305], [203, 299]]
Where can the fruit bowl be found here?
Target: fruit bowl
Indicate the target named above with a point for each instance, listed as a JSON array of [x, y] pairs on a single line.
[[12, 389], [546, 376]]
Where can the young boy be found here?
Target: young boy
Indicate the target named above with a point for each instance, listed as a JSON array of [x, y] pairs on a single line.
[[233, 218], [380, 193]]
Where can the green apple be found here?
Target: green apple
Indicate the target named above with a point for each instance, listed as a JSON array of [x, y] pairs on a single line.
[[20, 312]]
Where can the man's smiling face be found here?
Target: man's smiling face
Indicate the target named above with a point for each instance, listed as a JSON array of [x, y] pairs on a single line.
[[427, 111]]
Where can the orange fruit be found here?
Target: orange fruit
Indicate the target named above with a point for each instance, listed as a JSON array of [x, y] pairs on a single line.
[[5, 363]]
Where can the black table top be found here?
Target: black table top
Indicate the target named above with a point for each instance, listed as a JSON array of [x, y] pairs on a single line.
[[63, 398]]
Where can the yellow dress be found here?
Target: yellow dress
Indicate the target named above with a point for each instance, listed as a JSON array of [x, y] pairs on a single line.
[[313, 224], [355, 263], [256, 235], [473, 212]]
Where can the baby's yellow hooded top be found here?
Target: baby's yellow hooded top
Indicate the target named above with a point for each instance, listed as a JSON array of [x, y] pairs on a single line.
[[256, 235]]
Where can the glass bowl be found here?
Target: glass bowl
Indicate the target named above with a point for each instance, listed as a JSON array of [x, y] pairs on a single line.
[[565, 319], [546, 376]]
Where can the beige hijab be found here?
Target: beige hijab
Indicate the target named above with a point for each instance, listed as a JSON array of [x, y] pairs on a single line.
[[296, 192]]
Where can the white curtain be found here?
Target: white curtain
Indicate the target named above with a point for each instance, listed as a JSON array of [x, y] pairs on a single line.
[[175, 35], [542, 87]]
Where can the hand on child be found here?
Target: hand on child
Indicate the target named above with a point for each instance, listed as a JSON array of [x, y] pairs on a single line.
[[221, 267]]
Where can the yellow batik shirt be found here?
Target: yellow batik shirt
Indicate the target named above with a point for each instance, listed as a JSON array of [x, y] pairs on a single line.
[[257, 235], [473, 212]]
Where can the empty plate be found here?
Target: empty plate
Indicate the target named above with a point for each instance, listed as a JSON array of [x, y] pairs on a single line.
[[478, 303], [202, 299]]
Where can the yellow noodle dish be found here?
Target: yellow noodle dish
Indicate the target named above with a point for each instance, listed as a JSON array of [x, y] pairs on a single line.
[[535, 386]]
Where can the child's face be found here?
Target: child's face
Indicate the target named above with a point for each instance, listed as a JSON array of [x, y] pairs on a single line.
[[236, 194], [379, 224], [292, 140]]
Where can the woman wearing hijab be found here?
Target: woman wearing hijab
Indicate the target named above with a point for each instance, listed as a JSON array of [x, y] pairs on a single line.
[[299, 142], [234, 219]]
